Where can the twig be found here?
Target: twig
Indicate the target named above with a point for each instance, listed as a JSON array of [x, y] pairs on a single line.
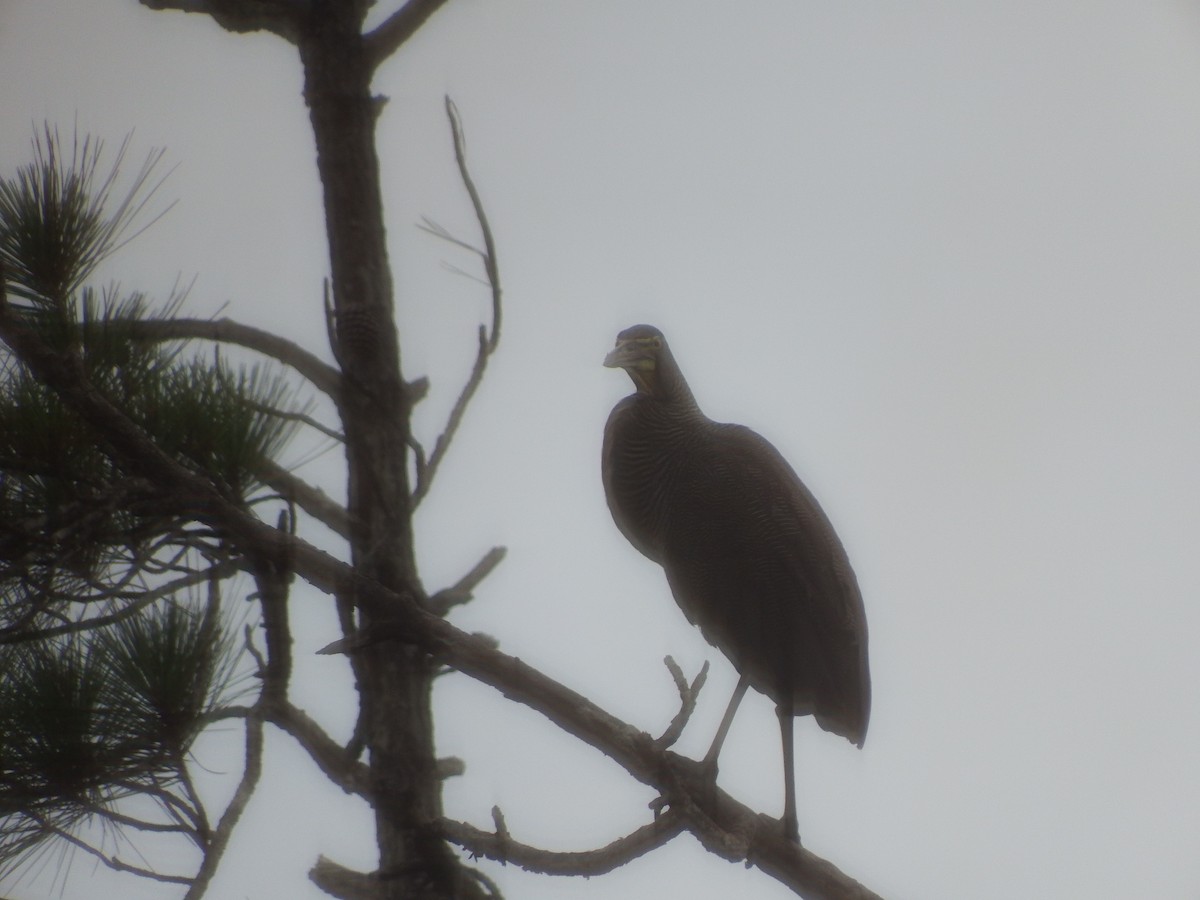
[[350, 775], [111, 861], [194, 804], [488, 340], [341, 882], [438, 230], [241, 16], [259, 660], [251, 773], [323, 376], [419, 460], [489, 244], [688, 695], [175, 808], [117, 818], [311, 499], [398, 28], [294, 416], [501, 847], [461, 591]]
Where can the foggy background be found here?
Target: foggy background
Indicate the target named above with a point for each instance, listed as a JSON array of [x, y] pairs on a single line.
[[944, 256]]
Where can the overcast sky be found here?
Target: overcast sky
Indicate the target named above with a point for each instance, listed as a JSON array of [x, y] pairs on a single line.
[[946, 256]]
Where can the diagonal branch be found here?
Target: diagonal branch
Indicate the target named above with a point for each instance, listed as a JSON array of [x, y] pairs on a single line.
[[725, 826], [309, 498], [397, 28], [502, 848]]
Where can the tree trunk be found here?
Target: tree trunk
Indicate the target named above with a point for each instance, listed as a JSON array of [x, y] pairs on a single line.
[[395, 680]]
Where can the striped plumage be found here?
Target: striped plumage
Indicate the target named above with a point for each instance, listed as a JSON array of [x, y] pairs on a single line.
[[749, 555]]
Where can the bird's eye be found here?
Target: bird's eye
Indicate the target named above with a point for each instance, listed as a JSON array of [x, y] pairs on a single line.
[[657, 343]]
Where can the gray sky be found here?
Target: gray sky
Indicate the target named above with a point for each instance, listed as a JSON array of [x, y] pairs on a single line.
[[944, 255]]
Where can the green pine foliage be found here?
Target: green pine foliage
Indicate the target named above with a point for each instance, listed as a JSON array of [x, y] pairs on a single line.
[[59, 219], [92, 720], [112, 661]]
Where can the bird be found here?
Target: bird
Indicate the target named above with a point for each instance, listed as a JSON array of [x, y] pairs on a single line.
[[749, 555]]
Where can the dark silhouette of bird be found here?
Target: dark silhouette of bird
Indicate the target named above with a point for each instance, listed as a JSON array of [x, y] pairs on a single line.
[[749, 555]]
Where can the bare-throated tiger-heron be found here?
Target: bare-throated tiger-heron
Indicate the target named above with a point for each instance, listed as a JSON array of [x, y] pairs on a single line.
[[749, 554]]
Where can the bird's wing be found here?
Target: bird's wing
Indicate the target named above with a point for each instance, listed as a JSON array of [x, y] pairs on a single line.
[[754, 561]]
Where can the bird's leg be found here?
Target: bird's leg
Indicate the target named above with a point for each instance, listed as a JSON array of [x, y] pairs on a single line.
[[791, 826], [710, 758]]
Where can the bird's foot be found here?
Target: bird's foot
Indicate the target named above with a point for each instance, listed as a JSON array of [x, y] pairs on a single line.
[[708, 768], [791, 829]]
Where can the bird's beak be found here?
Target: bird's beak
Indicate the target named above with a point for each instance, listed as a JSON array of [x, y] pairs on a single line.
[[626, 355]]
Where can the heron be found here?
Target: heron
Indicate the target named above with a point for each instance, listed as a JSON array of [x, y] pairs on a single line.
[[749, 555]]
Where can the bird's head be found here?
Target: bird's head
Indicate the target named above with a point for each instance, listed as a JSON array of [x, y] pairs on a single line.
[[643, 353]]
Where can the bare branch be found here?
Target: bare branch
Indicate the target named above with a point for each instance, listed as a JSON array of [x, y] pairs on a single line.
[[688, 694], [345, 884], [174, 807], [416, 390], [302, 418], [489, 255], [311, 499], [419, 462], [192, 805], [398, 28], [488, 340], [273, 577], [502, 848], [259, 660], [722, 824], [429, 226], [350, 775], [111, 861], [323, 376], [251, 773], [442, 444], [240, 16], [174, 827], [461, 591]]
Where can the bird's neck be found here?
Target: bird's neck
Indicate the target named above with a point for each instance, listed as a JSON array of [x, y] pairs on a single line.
[[669, 385]]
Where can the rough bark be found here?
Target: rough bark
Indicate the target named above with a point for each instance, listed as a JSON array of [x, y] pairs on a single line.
[[395, 683]]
